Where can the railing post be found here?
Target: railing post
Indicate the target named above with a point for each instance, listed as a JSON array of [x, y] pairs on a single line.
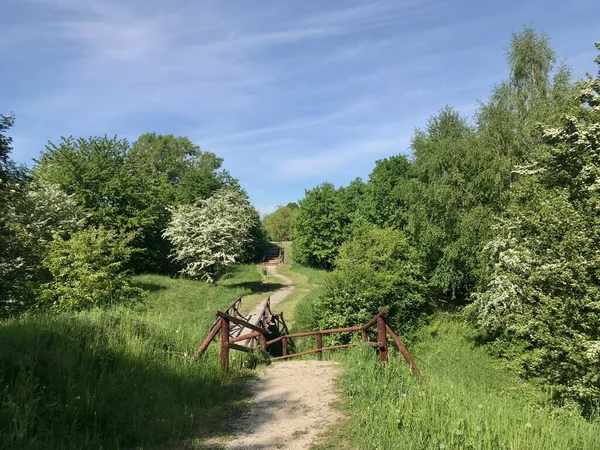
[[319, 346], [224, 345], [382, 339], [263, 342], [284, 343], [363, 335]]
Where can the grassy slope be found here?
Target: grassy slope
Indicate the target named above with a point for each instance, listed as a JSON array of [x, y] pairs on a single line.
[[120, 378], [469, 401]]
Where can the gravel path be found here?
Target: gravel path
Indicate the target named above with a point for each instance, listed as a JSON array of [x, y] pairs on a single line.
[[292, 402]]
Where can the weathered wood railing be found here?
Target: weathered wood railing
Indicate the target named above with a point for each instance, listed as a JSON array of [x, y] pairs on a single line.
[[260, 331], [383, 330]]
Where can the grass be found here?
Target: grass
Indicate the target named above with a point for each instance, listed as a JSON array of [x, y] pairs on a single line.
[[122, 378], [468, 401]]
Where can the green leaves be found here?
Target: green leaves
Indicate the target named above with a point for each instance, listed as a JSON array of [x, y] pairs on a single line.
[[88, 270], [376, 268], [543, 293], [278, 224]]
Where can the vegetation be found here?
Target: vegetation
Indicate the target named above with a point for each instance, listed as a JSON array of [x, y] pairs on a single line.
[[278, 224], [468, 400], [497, 213], [119, 377], [375, 269], [212, 235]]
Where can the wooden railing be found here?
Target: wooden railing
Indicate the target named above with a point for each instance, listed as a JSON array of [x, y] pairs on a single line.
[[259, 333], [383, 330]]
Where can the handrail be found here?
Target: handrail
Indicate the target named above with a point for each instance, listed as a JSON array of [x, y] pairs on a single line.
[[260, 330], [373, 321], [314, 333], [240, 322]]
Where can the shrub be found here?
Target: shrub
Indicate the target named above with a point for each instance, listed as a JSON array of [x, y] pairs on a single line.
[[377, 268], [88, 270], [213, 235]]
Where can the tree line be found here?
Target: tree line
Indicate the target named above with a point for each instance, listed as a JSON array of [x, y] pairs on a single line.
[[92, 211], [494, 215]]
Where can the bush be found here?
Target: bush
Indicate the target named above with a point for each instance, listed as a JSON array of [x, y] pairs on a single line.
[[88, 270], [215, 234], [541, 307], [377, 268]]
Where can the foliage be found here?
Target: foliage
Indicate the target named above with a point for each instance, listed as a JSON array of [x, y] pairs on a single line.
[[120, 377], [211, 236], [377, 268], [384, 201], [468, 401], [542, 304], [88, 271], [278, 224], [321, 226], [16, 276], [128, 188]]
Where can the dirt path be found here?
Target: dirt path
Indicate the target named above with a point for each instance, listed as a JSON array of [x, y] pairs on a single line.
[[279, 295], [292, 402], [276, 297]]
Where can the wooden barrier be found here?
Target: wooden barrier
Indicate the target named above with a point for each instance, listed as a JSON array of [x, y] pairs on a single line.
[[260, 330]]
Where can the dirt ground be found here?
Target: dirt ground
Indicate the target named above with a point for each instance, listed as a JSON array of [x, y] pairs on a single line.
[[291, 403]]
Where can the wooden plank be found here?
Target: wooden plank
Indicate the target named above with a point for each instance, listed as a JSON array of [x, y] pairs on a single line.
[[246, 336], [382, 339], [224, 345], [319, 347], [208, 340], [373, 321], [308, 352], [240, 322], [404, 352], [315, 333], [241, 348]]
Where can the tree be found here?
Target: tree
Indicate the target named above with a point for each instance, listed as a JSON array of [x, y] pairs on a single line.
[[320, 227], [89, 270], [179, 171], [375, 269], [542, 302], [278, 224], [384, 202], [15, 276], [462, 175], [212, 235]]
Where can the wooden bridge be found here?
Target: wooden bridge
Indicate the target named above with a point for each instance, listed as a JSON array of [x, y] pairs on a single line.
[[263, 332]]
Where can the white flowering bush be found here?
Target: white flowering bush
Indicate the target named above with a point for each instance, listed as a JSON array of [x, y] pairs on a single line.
[[542, 302], [212, 235]]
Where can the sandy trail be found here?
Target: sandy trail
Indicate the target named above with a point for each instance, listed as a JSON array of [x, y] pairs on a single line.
[[279, 295], [276, 297], [292, 402]]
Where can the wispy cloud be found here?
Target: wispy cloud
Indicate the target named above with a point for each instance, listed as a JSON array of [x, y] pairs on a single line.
[[306, 90]]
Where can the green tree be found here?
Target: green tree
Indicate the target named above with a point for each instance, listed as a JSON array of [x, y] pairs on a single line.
[[462, 175], [320, 227], [375, 269], [88, 270], [542, 303], [384, 201], [16, 276], [278, 224]]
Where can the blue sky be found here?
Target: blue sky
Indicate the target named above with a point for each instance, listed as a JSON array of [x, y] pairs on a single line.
[[289, 93]]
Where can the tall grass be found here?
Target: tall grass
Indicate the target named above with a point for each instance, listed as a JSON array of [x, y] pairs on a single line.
[[118, 378], [468, 401]]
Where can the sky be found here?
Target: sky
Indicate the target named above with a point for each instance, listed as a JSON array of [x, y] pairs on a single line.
[[289, 93]]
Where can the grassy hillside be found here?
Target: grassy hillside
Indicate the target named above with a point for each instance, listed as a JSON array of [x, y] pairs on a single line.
[[120, 378], [468, 401]]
